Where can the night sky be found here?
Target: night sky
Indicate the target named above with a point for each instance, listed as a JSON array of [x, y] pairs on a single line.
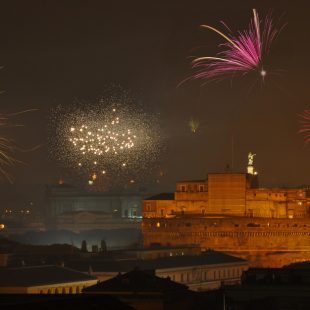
[[56, 51]]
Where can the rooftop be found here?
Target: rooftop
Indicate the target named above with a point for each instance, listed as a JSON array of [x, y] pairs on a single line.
[[162, 196], [136, 281], [206, 258], [40, 275]]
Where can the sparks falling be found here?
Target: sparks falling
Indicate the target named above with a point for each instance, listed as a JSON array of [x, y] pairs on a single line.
[[108, 136], [107, 141], [304, 122], [8, 148], [240, 53]]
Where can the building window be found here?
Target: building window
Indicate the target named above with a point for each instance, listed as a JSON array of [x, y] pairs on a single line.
[[205, 276], [182, 277], [201, 188], [162, 212], [183, 188]]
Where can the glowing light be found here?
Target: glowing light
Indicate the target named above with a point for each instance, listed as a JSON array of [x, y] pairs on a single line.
[[193, 125], [2, 226], [157, 224], [242, 53], [304, 122], [113, 138]]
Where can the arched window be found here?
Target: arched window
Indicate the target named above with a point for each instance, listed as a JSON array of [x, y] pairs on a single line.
[[63, 290], [70, 290], [77, 290]]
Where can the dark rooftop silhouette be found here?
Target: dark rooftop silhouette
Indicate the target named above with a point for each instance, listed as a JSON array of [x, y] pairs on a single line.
[[136, 281], [39, 275]]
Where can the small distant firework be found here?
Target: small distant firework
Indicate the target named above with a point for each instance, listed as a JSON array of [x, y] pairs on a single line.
[[7, 159], [7, 147], [304, 121], [242, 53], [193, 125], [108, 141]]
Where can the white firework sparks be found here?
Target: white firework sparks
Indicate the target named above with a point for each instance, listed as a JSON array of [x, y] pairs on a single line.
[[113, 141]]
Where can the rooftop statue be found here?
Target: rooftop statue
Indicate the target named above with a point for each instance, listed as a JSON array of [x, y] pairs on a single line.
[[251, 159]]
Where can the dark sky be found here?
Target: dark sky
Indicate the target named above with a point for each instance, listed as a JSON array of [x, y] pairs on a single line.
[[55, 51]]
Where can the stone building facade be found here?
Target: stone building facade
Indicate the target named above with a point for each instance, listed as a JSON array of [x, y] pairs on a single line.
[[228, 213]]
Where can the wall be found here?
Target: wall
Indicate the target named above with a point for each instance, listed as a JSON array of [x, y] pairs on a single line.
[[234, 235]]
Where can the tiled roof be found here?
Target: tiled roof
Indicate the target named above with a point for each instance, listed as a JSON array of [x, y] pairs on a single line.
[[136, 281], [40, 275]]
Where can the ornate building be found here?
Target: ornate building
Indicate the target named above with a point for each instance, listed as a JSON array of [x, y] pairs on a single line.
[[230, 213]]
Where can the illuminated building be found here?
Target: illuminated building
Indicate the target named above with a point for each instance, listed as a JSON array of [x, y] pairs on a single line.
[[200, 271], [72, 209], [43, 280], [228, 212]]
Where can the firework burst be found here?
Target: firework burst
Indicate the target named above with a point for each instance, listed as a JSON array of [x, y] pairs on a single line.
[[304, 122], [8, 147], [241, 53], [111, 141], [193, 125]]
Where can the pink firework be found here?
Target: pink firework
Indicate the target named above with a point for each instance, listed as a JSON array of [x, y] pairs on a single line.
[[241, 53], [304, 121]]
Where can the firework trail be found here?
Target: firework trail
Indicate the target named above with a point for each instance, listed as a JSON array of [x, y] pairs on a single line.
[[304, 121], [109, 141], [240, 53]]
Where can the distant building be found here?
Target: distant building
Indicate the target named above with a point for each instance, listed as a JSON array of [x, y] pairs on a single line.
[[72, 209], [199, 271], [43, 280], [228, 212]]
